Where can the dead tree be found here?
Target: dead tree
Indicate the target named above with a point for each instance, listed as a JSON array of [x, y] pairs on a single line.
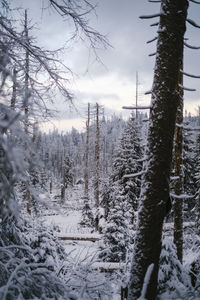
[[86, 175], [97, 171], [26, 105], [27, 70], [14, 89], [178, 183], [155, 185]]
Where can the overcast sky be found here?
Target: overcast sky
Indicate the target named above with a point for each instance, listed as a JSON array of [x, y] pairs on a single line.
[[112, 83]]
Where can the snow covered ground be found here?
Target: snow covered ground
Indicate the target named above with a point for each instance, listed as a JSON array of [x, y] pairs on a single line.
[[65, 220]]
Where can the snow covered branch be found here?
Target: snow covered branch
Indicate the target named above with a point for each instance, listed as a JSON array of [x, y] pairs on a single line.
[[182, 196], [174, 178], [134, 174], [154, 1], [191, 22], [148, 92], [136, 107]]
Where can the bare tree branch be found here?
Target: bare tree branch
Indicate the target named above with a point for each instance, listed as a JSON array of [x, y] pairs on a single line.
[[191, 22], [189, 75], [150, 16], [194, 1], [191, 47], [154, 39]]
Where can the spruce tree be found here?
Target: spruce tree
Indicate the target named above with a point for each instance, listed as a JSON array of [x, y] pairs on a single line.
[[171, 277], [116, 235], [188, 171], [128, 161], [197, 182], [122, 197]]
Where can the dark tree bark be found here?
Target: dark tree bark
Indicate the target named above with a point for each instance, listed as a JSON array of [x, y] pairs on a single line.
[[178, 184], [155, 186]]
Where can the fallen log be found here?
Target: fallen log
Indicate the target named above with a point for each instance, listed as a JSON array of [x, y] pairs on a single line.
[[79, 238]]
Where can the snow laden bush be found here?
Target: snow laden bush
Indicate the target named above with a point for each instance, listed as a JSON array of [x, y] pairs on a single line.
[[116, 235], [173, 280], [87, 282], [29, 263], [192, 263]]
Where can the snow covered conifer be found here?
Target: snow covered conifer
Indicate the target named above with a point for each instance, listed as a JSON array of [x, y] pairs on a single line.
[[188, 171], [122, 197], [171, 276], [197, 182], [128, 161], [67, 169], [116, 235], [67, 177]]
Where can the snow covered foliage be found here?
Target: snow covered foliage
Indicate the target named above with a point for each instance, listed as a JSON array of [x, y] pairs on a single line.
[[67, 172], [86, 282], [128, 161], [173, 281], [192, 260], [11, 161], [197, 179], [121, 198], [87, 214], [116, 234], [188, 171], [29, 262]]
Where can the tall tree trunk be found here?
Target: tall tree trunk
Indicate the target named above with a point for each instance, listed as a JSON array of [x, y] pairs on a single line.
[[26, 108], [14, 91], [86, 175], [63, 184], [155, 186], [178, 184], [96, 180], [27, 67]]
